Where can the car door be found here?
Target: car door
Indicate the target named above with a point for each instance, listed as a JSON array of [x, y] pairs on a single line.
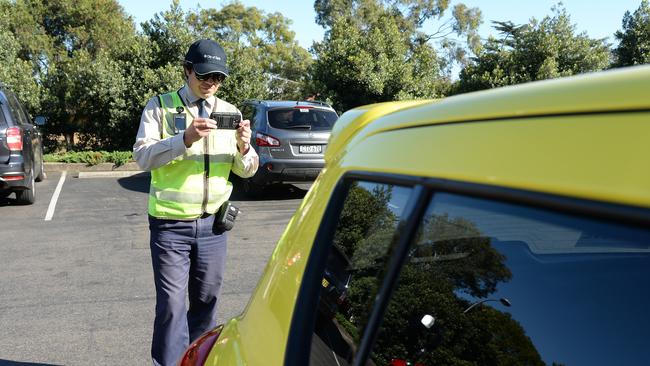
[[446, 273]]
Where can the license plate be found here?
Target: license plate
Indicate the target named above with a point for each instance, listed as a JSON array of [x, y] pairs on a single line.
[[310, 149]]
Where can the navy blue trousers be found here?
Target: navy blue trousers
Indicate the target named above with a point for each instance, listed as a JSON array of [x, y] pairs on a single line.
[[187, 257]]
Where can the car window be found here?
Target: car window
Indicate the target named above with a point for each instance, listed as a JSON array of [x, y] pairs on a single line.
[[3, 121], [16, 109], [302, 118], [361, 249], [490, 283]]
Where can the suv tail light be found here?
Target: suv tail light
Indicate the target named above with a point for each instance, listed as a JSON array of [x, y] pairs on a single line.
[[14, 139], [266, 140], [198, 351]]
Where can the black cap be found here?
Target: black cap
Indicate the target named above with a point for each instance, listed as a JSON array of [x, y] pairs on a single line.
[[206, 57]]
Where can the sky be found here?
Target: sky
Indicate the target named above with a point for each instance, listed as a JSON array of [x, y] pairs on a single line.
[[599, 18]]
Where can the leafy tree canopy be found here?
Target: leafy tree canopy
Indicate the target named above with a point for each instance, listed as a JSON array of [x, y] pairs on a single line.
[[83, 65], [379, 50], [634, 38], [534, 51]]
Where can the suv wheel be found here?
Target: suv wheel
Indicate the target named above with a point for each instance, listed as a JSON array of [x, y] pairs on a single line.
[[26, 196]]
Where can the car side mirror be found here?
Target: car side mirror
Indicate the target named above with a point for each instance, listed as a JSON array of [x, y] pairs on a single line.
[[39, 120]]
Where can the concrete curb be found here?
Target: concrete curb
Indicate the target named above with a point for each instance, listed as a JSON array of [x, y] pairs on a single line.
[[110, 174], [102, 170]]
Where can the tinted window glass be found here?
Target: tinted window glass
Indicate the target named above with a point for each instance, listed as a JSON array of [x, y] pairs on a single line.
[[489, 283], [302, 118], [360, 252], [16, 110], [3, 121]]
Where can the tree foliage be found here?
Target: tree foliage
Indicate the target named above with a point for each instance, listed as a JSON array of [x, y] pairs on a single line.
[[83, 65], [634, 39], [376, 50], [534, 51]]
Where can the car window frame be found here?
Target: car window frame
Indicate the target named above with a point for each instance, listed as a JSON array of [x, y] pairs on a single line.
[[424, 190]]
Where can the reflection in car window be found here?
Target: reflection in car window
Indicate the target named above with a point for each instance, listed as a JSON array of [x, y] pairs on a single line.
[[304, 118], [361, 249], [488, 283]]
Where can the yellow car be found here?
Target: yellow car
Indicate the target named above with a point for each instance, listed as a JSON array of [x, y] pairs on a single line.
[[504, 227]]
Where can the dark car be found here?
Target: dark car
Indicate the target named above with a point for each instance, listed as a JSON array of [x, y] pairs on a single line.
[[335, 284], [21, 149], [290, 138]]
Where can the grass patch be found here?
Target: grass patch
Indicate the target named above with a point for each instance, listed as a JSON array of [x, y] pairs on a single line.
[[90, 157]]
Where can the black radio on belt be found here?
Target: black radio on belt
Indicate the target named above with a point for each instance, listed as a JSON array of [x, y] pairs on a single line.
[[226, 120], [224, 220]]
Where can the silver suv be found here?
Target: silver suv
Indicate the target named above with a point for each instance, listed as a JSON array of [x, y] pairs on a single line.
[[290, 137]]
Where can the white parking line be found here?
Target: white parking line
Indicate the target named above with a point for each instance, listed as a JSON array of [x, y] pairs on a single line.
[[55, 197]]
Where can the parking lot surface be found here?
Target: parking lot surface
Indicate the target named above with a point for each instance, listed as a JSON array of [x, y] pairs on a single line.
[[75, 270]]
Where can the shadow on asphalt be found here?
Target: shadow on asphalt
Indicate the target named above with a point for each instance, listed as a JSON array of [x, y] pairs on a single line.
[[9, 201], [140, 183], [16, 363], [272, 192], [137, 183]]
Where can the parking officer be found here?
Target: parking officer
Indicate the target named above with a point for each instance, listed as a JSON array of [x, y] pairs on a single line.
[[189, 159]]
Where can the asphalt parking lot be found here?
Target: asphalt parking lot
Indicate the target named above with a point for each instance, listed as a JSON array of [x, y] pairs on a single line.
[[75, 271]]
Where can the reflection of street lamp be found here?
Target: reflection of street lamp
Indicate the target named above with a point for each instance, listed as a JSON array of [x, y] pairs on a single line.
[[429, 320], [503, 301]]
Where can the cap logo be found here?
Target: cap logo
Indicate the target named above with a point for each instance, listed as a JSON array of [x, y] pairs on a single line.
[[210, 57]]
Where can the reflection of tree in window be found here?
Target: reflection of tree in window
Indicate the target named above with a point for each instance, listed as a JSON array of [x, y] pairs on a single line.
[[364, 233], [450, 263]]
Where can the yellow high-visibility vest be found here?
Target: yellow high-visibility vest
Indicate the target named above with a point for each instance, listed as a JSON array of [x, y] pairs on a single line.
[[197, 181]]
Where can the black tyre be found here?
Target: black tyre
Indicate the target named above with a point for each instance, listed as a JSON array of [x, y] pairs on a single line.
[[26, 196]]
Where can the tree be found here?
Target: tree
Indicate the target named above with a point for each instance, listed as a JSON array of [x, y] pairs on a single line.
[[82, 64], [266, 61], [535, 51], [634, 39], [376, 50], [72, 47], [15, 72]]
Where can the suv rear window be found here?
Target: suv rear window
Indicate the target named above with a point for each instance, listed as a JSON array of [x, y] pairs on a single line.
[[3, 121], [302, 118]]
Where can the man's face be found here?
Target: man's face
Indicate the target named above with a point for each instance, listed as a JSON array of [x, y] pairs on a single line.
[[202, 88]]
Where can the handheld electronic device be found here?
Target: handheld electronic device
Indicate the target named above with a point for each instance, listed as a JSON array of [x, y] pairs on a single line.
[[226, 120]]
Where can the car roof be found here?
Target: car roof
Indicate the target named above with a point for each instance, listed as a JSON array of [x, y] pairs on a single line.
[[552, 149], [607, 91], [289, 103]]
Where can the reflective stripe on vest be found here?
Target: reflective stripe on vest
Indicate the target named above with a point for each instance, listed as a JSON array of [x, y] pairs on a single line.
[[197, 181]]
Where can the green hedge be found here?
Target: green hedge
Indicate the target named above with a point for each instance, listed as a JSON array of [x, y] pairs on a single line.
[[91, 157]]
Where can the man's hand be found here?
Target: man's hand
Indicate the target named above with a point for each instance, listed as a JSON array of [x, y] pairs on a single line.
[[200, 127], [244, 136]]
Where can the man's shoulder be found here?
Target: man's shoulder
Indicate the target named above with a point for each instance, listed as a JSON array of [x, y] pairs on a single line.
[[223, 106]]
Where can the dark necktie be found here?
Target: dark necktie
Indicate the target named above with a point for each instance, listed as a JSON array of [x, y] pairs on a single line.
[[202, 112]]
